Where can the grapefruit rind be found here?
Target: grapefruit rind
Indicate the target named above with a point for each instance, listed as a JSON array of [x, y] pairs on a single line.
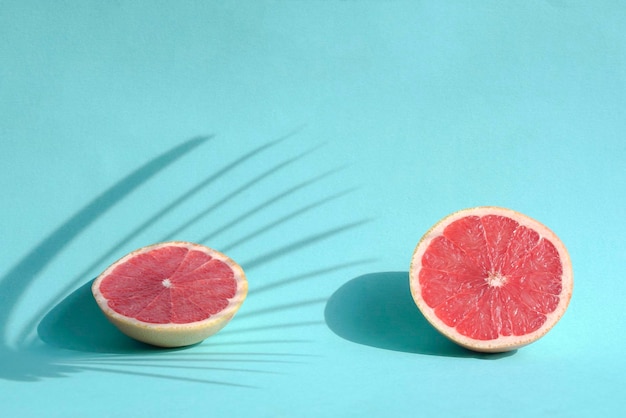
[[501, 343], [173, 335]]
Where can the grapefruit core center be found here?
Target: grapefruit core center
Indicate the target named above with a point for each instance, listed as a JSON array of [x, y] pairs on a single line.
[[496, 279]]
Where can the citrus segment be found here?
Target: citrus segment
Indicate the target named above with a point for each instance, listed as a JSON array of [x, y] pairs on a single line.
[[171, 294], [491, 279]]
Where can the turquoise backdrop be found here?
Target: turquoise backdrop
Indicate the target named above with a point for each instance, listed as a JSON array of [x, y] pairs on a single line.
[[314, 142]]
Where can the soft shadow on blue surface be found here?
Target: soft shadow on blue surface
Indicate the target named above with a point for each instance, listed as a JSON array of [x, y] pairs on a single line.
[[77, 323], [377, 310]]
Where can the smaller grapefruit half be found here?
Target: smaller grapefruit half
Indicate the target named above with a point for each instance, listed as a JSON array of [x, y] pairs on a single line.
[[491, 279], [171, 294]]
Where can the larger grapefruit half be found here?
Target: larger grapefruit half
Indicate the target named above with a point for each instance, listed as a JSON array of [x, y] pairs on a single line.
[[491, 279], [171, 294]]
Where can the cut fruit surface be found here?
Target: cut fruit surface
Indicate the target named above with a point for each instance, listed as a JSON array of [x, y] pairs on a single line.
[[491, 279], [171, 294]]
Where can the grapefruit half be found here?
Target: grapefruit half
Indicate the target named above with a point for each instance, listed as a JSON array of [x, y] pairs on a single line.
[[491, 279], [171, 294]]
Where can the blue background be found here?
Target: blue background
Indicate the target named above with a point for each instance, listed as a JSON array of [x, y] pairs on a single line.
[[314, 142]]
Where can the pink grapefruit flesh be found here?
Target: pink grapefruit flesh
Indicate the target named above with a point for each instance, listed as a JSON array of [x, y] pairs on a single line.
[[491, 279], [171, 294]]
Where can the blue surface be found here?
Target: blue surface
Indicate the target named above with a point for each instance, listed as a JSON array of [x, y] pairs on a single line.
[[314, 143]]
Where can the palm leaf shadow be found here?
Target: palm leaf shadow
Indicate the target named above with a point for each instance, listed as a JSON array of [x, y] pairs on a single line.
[[25, 363], [16, 281], [178, 201], [70, 324], [236, 192]]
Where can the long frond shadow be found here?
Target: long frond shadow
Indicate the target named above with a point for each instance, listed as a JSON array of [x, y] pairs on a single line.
[[377, 310], [75, 334], [17, 280], [299, 244], [21, 361], [267, 203], [236, 192], [182, 198]]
